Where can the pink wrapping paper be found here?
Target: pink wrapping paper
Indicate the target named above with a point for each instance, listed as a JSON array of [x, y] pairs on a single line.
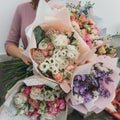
[[101, 102], [58, 19]]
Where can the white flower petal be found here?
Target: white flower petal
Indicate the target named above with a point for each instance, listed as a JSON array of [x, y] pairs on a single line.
[[44, 67]]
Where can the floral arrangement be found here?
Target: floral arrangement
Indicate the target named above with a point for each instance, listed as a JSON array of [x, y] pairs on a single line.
[[72, 63], [56, 54], [88, 87], [92, 83], [87, 28], [83, 23], [35, 101]]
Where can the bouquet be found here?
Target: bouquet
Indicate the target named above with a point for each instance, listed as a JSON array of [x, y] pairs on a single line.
[[55, 47], [93, 83], [88, 87], [83, 23], [72, 65], [30, 99], [36, 101]]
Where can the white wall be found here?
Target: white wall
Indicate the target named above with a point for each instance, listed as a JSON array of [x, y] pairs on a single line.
[[7, 9], [108, 10]]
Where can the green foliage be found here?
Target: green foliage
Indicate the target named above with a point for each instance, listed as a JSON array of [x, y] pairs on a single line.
[[14, 71], [39, 34]]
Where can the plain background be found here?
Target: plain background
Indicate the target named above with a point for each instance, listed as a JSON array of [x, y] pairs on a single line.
[[108, 10]]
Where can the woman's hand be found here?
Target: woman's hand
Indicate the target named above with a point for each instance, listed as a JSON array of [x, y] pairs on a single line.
[[26, 60], [14, 51]]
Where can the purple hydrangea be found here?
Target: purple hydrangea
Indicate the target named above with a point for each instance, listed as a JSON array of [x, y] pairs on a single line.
[[84, 85]]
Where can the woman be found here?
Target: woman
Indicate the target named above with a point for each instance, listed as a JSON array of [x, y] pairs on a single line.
[[24, 16]]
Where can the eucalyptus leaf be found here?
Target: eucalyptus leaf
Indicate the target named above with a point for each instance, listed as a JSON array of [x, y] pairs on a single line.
[[39, 34]]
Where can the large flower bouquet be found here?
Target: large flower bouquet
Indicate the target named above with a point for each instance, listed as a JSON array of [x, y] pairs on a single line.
[[30, 99], [92, 83], [39, 100], [55, 47], [68, 53]]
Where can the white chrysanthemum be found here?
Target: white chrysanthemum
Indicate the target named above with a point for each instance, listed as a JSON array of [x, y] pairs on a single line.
[[52, 61], [20, 100], [79, 99], [35, 93], [61, 40], [56, 51], [46, 60], [95, 96], [98, 42], [73, 49], [70, 55], [63, 53], [56, 64], [57, 57], [54, 70], [63, 63], [44, 67], [42, 45]]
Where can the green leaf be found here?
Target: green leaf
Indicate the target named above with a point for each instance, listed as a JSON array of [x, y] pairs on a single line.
[[39, 34]]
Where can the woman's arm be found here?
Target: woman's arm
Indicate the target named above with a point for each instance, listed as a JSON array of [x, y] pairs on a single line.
[[12, 42], [14, 51]]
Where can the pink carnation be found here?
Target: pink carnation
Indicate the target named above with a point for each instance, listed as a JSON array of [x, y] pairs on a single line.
[[27, 91], [88, 40], [50, 103], [54, 111], [62, 104]]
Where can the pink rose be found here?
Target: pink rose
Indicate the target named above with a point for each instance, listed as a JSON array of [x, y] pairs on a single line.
[[57, 102], [50, 103], [62, 105], [27, 91], [34, 103], [54, 111], [39, 86], [88, 40]]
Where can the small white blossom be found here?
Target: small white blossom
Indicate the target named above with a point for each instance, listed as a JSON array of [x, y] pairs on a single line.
[[42, 45], [44, 67], [95, 96], [79, 99], [73, 49], [61, 40], [70, 55], [98, 42], [35, 93], [64, 52], [51, 61], [20, 100], [63, 63], [55, 70]]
